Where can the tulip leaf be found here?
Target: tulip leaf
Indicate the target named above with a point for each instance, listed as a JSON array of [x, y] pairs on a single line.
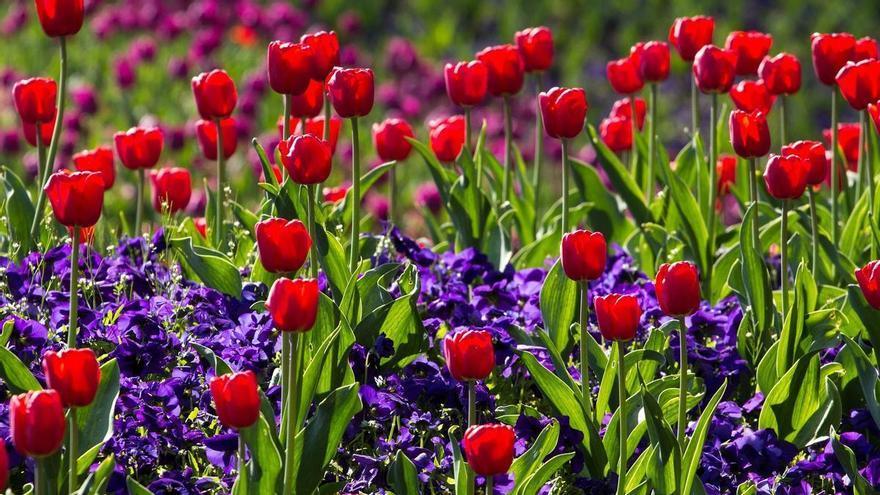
[[665, 462], [530, 460], [693, 453], [342, 210], [95, 421], [265, 464], [620, 178], [869, 317], [96, 482], [8, 327], [539, 478], [19, 213], [460, 469], [210, 266], [559, 302], [332, 258], [403, 476], [135, 488], [693, 224], [756, 280], [847, 460], [865, 372], [17, 376]]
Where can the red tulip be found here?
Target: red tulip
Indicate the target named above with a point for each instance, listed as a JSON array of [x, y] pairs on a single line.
[[623, 74], [469, 355], [750, 48], [138, 147], [874, 112], [4, 466], [289, 67], [536, 48], [206, 132], [86, 234], [201, 225], [335, 194], [752, 96], [76, 197], [466, 82], [60, 17], [653, 60], [30, 132], [831, 52], [726, 169], [749, 134], [236, 399], [618, 316], [714, 69], [447, 137], [34, 99], [678, 288], [310, 102], [324, 52], [283, 245], [622, 108], [505, 67], [848, 134], [351, 92], [583, 255], [616, 133], [74, 374], [859, 83], [786, 176], [868, 277], [781, 74], [307, 158], [98, 160], [389, 137], [293, 304], [563, 111], [172, 188], [36, 421], [488, 448], [315, 127], [813, 153], [689, 34], [215, 94], [865, 49]]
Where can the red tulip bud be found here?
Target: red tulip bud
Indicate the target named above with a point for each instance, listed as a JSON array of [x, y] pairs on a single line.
[[98, 160], [868, 277], [324, 52], [583, 255], [306, 158], [206, 133], [283, 245], [814, 155], [616, 133], [623, 74], [752, 96], [749, 134], [848, 135], [76, 198], [653, 59], [563, 111], [4, 466], [315, 127], [726, 169], [750, 48], [389, 137], [310, 102], [466, 82], [536, 48], [859, 83], [618, 316], [505, 67], [678, 288], [447, 137], [335, 194], [786, 176], [36, 421], [469, 355], [236, 398], [864, 49], [74, 374], [489, 448], [30, 132], [289, 67], [138, 147], [293, 304], [351, 92], [831, 52], [201, 225], [60, 17], [781, 74], [34, 100], [172, 189], [688, 34], [215, 94], [714, 69], [622, 108]]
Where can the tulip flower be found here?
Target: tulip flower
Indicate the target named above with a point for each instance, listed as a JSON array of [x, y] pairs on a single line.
[[36, 421], [34, 100], [4, 466], [206, 133], [308, 103], [714, 69], [750, 138], [726, 174], [868, 277], [860, 84], [236, 399], [563, 111], [289, 67], [335, 194], [848, 137], [60, 18], [45, 135], [390, 140], [616, 133], [469, 355], [653, 60], [172, 188], [623, 107], [623, 75], [215, 94], [813, 154], [324, 47], [201, 226], [306, 158], [283, 245], [139, 149], [74, 374], [688, 35], [750, 48], [76, 197], [466, 86], [315, 127], [536, 48], [752, 96], [864, 49], [447, 137], [489, 450], [786, 179], [831, 52], [782, 76], [98, 160]]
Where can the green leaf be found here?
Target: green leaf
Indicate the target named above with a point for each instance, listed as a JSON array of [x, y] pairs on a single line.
[[530, 460], [665, 463], [847, 460], [19, 212], [793, 327], [623, 182], [755, 278], [95, 421], [8, 327], [460, 469], [135, 488], [332, 258], [865, 372], [692, 222], [17, 376], [212, 267], [96, 482], [265, 465], [694, 450], [402, 475], [539, 478], [559, 298], [869, 317], [399, 320]]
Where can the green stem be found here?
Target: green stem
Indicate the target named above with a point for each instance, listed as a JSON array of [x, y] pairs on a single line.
[[695, 109], [634, 128], [41, 487], [472, 403], [74, 289], [652, 106], [313, 229], [782, 138], [814, 223], [508, 143], [220, 209], [835, 177], [682, 381], [586, 397], [73, 451], [392, 194], [490, 485], [711, 218], [242, 468], [41, 158], [753, 192], [539, 151], [356, 197], [285, 125], [326, 116], [565, 173], [139, 203], [285, 387], [622, 422], [869, 169], [290, 413], [783, 249], [53, 145], [467, 130]]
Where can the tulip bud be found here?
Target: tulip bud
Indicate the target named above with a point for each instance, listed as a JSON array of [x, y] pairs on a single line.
[[389, 137], [864, 49], [138, 147], [583, 255], [74, 374], [781, 74], [488, 448], [616, 133], [622, 108], [206, 133], [563, 111], [859, 83], [309, 103], [848, 135], [36, 421], [813, 153], [324, 55], [293, 304], [447, 137], [76, 197], [315, 127], [786, 176], [4, 466], [34, 100], [469, 355], [283, 245], [726, 170], [335, 194], [236, 399], [172, 188], [506, 69], [289, 67], [714, 69], [750, 48], [653, 60], [749, 134], [678, 288], [689, 34], [752, 96], [623, 74], [351, 92], [831, 52], [306, 158], [98, 160], [868, 277], [60, 17], [466, 82], [30, 132], [215, 94], [201, 225], [536, 48], [618, 316]]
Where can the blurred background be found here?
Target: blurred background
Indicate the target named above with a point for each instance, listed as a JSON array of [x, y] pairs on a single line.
[[133, 61]]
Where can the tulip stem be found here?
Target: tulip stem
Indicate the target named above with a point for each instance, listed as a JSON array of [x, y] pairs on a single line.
[[652, 122], [312, 226], [835, 177], [869, 167], [40, 486], [285, 125], [695, 110], [242, 468], [290, 413], [139, 200], [392, 193], [472, 402], [584, 320], [753, 192], [355, 196], [326, 135], [508, 144], [41, 158], [783, 250], [814, 224], [565, 173], [539, 152], [860, 185], [53, 145], [622, 422], [72, 454], [634, 129], [221, 183], [682, 381], [285, 387], [490, 488], [74, 288], [782, 138], [713, 187], [467, 131]]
